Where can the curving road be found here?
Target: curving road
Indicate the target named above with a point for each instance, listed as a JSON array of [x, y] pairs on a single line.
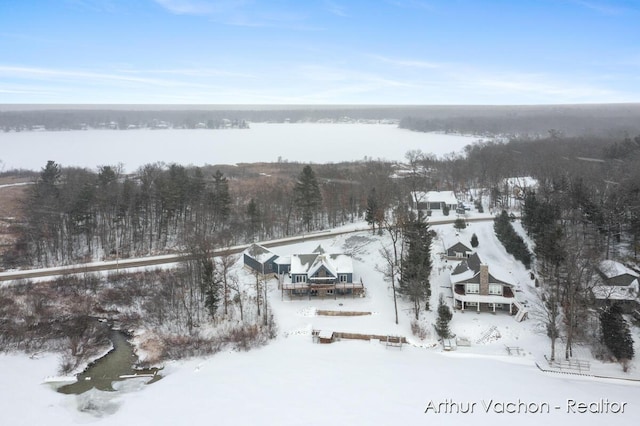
[[123, 264]]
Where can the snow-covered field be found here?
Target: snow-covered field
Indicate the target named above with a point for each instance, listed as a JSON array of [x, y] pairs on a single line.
[[262, 142], [293, 381]]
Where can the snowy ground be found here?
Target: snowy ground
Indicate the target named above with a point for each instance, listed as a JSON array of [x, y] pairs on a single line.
[[293, 381]]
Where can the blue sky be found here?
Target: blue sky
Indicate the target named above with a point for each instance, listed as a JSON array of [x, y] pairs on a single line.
[[319, 51]]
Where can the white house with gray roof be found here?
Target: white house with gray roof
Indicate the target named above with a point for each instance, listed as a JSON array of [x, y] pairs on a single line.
[[474, 288], [321, 274], [434, 200], [619, 284]]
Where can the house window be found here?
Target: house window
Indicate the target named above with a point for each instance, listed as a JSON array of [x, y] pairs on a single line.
[[330, 291], [458, 254], [471, 304], [473, 288], [495, 289], [301, 278], [343, 278]]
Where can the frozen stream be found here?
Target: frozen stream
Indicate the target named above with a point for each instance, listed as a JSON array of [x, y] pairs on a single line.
[[117, 365]]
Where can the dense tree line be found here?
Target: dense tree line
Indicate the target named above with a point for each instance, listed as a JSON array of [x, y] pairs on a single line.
[[73, 215], [571, 120], [581, 213], [536, 121], [512, 242], [585, 207]]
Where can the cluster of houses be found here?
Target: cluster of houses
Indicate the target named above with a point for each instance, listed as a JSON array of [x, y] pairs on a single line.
[[433, 201], [316, 274], [329, 275], [475, 288]]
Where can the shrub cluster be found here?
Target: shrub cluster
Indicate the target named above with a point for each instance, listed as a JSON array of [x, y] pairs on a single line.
[[512, 242], [419, 330]]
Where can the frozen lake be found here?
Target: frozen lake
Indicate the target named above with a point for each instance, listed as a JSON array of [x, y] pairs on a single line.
[[263, 142]]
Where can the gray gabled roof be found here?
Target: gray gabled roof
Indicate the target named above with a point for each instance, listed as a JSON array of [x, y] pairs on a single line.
[[459, 247], [471, 263], [476, 280], [260, 253]]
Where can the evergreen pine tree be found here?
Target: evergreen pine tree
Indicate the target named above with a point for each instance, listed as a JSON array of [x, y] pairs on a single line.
[[211, 286], [371, 214], [615, 333], [307, 196], [416, 263], [460, 224], [253, 212], [221, 198], [474, 241], [444, 317]]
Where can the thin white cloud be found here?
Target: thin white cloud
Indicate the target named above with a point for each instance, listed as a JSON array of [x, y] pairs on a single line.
[[463, 80], [81, 83], [190, 72], [314, 73], [336, 9], [242, 13], [408, 63], [541, 88], [411, 4], [200, 7], [390, 81], [108, 6], [28, 91], [52, 73], [603, 7]]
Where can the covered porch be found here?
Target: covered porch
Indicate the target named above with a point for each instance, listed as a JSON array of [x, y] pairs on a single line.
[[485, 303], [321, 290]]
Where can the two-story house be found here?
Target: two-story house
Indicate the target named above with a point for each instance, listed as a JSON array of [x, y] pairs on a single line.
[[321, 274], [474, 288]]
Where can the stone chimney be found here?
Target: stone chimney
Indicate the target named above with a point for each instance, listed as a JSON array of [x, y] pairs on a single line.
[[484, 280]]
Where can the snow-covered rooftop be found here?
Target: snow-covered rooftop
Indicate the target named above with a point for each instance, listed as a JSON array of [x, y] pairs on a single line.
[[522, 182], [335, 263], [447, 197], [283, 260], [259, 253], [607, 292], [468, 271], [611, 268]]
